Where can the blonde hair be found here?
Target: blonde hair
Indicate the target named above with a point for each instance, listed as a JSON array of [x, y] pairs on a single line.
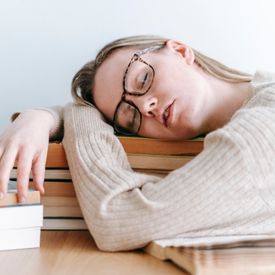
[[83, 81]]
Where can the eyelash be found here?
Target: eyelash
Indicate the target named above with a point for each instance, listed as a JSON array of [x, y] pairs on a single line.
[[144, 80]]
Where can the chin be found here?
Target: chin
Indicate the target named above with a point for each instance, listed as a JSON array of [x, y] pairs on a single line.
[[191, 128], [178, 132]]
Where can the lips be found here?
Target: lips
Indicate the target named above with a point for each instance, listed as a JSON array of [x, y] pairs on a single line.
[[167, 115]]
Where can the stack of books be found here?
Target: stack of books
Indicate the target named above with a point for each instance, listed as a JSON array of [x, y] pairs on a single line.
[[20, 225], [146, 155], [159, 156], [61, 208]]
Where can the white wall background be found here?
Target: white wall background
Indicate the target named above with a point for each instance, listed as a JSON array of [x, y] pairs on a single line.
[[43, 43]]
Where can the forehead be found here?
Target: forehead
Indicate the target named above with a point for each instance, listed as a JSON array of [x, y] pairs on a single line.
[[108, 86]]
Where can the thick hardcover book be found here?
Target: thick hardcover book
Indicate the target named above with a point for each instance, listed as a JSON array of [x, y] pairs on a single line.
[[57, 188], [141, 145], [227, 255]]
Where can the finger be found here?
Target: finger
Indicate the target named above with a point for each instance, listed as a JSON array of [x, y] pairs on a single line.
[[38, 171], [3, 146], [6, 164], [24, 164]]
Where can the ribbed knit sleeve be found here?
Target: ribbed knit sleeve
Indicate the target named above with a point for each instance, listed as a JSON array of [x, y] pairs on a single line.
[[227, 189]]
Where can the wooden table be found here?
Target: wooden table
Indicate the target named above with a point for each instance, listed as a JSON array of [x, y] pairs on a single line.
[[74, 252]]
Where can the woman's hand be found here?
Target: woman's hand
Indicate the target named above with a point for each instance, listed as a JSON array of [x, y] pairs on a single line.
[[25, 145]]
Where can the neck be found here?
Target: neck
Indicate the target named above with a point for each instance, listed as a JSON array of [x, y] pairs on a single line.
[[225, 98]]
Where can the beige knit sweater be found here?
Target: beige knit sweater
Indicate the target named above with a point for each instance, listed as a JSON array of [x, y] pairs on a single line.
[[227, 189]]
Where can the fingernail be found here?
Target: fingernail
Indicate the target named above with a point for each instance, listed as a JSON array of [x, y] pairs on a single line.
[[1, 195]]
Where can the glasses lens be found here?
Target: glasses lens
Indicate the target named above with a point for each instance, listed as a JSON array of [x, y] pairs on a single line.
[[139, 78], [127, 119]]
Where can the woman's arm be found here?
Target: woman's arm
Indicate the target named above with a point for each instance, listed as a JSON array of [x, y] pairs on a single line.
[[221, 191], [55, 114], [25, 144]]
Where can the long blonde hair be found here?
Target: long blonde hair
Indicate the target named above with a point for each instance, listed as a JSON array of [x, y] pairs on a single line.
[[83, 80]]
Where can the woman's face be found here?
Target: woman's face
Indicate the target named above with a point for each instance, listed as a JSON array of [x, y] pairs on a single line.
[[178, 90]]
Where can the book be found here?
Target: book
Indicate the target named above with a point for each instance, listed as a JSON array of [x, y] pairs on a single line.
[[157, 162], [12, 199], [57, 188], [62, 212], [142, 145], [20, 238], [20, 216], [21, 223], [56, 157], [59, 201], [245, 254], [64, 224], [61, 175]]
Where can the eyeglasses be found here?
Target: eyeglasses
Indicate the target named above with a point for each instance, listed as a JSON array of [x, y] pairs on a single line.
[[137, 81]]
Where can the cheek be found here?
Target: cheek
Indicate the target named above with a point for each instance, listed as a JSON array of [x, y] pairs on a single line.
[[151, 128]]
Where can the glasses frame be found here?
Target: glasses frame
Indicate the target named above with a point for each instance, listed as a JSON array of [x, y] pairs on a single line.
[[135, 57]]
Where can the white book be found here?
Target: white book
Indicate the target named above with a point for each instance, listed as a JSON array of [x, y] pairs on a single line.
[[64, 224], [21, 216], [19, 238]]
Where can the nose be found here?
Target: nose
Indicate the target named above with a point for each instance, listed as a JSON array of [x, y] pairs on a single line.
[[147, 105]]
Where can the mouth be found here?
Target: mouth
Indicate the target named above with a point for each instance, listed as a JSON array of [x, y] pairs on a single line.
[[168, 115]]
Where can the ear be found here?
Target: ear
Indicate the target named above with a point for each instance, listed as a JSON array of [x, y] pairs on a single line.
[[185, 51]]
